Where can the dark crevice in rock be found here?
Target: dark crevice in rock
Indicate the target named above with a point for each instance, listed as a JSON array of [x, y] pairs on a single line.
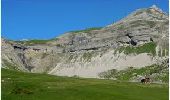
[[36, 49], [151, 39], [87, 49], [24, 61], [90, 49], [19, 47], [29, 68], [133, 43], [128, 35], [72, 51]]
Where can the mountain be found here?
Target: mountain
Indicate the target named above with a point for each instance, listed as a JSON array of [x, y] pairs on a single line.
[[137, 42]]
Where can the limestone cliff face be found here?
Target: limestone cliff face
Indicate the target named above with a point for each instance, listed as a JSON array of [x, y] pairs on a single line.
[[11, 57], [88, 52]]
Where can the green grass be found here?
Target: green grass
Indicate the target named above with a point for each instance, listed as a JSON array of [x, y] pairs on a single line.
[[121, 27], [149, 70], [87, 30], [29, 86], [127, 74], [35, 41], [30, 42], [145, 48]]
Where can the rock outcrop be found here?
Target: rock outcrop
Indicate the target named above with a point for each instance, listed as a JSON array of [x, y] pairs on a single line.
[[88, 52]]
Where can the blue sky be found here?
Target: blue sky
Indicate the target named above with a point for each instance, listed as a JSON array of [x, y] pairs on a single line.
[[45, 19]]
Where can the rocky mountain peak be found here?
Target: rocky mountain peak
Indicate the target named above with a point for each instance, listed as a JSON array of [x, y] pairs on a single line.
[[156, 8]]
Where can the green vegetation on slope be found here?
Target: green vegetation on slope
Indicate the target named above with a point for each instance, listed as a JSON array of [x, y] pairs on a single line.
[[35, 41], [87, 56], [87, 30], [9, 65], [145, 48], [29, 86], [161, 73], [138, 23]]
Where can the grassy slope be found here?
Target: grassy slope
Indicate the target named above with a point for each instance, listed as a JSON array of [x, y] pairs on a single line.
[[28, 86], [145, 48], [87, 30], [36, 41], [127, 74]]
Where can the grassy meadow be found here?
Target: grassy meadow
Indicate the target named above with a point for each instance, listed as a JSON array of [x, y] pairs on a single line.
[[29, 86]]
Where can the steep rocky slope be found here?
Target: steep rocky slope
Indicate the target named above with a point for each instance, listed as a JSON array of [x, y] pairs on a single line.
[[138, 40]]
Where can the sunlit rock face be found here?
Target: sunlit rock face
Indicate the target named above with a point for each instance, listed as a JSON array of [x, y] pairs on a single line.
[[88, 52]]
